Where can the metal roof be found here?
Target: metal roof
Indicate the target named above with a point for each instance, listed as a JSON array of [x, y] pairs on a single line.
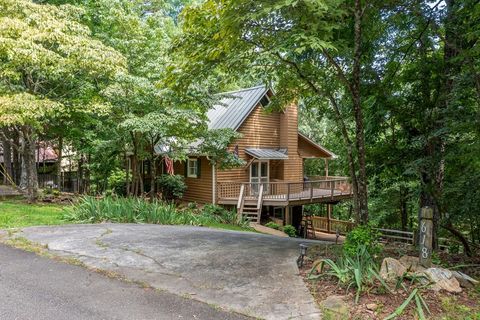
[[234, 107], [267, 154]]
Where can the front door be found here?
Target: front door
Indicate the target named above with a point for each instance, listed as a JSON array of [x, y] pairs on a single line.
[[259, 175]]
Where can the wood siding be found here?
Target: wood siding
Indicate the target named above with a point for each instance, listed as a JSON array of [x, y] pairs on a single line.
[[198, 189], [260, 129], [293, 166], [268, 130], [307, 150]]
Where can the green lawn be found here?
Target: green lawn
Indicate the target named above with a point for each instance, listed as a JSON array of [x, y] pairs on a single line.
[[15, 214], [18, 214]]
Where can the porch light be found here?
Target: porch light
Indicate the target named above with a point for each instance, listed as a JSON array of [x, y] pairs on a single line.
[[303, 252]]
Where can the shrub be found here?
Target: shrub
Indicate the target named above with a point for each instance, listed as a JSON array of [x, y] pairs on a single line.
[[213, 209], [117, 182], [172, 186], [272, 225], [223, 215], [290, 230], [362, 236]]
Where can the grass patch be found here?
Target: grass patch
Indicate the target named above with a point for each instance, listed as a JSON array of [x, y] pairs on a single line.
[[17, 214]]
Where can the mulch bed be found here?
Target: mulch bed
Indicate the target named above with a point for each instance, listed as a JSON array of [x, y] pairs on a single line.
[[442, 305]]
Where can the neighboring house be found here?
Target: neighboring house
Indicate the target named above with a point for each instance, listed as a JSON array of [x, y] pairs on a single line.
[[45, 158], [272, 182]]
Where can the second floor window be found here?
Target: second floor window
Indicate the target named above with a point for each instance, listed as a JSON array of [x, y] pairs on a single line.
[[192, 168]]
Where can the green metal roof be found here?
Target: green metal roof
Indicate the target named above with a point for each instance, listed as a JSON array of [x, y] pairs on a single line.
[[234, 107]]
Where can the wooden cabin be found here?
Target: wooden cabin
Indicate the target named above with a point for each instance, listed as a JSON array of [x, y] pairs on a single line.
[[272, 182]]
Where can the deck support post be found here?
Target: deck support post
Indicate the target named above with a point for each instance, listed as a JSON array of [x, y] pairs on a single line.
[[288, 215], [329, 217]]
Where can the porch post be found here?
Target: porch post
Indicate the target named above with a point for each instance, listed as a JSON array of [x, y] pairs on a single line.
[[326, 167], [214, 185], [288, 215]]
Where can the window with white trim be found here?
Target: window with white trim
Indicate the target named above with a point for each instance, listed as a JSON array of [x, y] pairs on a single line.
[[192, 168]]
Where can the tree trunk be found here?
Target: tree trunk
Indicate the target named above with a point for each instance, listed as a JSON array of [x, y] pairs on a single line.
[[17, 166], [127, 175], [358, 114], [403, 208], [29, 165], [80, 174], [59, 163], [7, 160], [448, 226]]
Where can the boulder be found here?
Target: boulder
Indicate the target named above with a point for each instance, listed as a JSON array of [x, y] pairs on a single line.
[[392, 269], [464, 280], [443, 279], [335, 308], [411, 263]]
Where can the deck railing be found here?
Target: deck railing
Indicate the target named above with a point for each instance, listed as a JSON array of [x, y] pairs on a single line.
[[286, 191], [324, 224]]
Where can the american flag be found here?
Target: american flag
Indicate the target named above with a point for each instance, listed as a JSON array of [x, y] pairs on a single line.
[[169, 165], [235, 151]]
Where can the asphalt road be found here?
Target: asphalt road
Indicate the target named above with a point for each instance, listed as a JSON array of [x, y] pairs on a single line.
[[34, 287]]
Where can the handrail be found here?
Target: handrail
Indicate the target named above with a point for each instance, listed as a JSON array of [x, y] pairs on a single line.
[[260, 197], [240, 198]]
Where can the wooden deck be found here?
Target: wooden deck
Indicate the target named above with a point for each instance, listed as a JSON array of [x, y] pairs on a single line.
[[328, 190]]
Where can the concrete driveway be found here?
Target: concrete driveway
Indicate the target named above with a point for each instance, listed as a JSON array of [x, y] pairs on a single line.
[[250, 273]]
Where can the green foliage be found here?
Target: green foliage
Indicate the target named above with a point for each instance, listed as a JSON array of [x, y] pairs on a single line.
[[117, 182], [215, 143], [272, 225], [290, 230], [224, 215], [362, 237], [137, 210], [358, 270], [172, 186]]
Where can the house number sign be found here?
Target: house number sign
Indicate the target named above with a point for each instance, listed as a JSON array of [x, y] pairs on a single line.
[[425, 237]]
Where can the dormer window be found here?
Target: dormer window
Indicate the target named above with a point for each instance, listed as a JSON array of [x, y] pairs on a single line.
[[265, 101]]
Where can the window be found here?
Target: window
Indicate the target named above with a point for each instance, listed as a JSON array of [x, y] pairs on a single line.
[[265, 101], [192, 168]]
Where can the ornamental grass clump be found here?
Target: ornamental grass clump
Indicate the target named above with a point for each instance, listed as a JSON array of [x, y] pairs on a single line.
[[359, 271], [138, 210]]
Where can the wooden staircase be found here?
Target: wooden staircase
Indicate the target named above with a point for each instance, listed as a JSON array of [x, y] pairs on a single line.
[[250, 208]]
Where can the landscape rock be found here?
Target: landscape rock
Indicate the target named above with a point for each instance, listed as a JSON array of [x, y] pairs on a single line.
[[464, 280], [392, 269], [335, 308], [372, 306], [411, 263], [443, 279]]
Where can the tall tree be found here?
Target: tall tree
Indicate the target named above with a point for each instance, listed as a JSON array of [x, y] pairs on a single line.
[[49, 63]]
